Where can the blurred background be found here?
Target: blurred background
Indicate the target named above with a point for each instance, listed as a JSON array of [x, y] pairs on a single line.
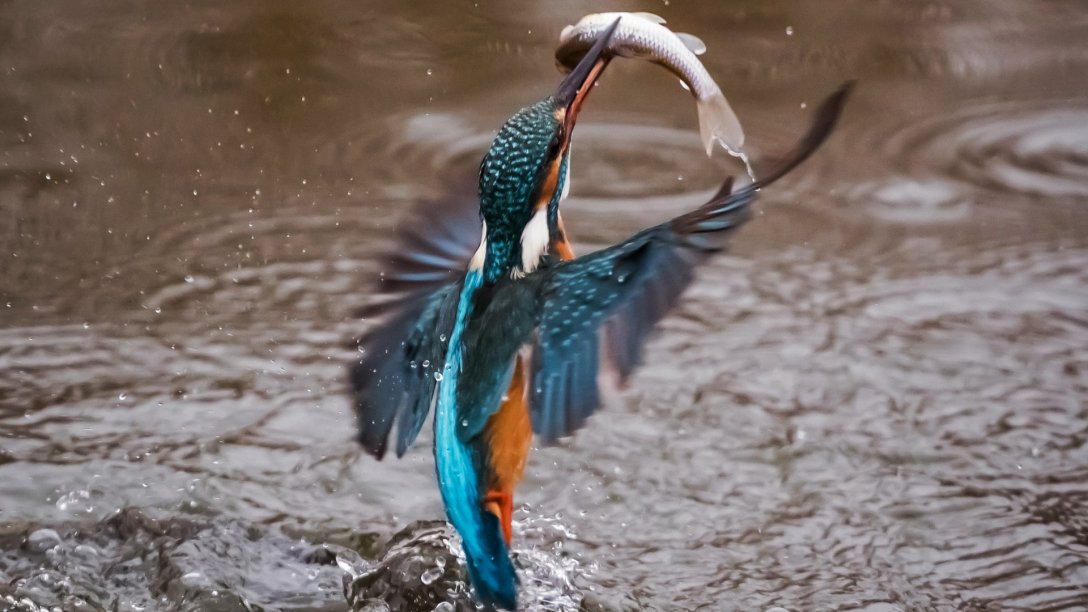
[[876, 400]]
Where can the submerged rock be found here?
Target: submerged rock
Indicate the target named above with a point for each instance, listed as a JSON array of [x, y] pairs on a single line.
[[419, 569], [131, 561]]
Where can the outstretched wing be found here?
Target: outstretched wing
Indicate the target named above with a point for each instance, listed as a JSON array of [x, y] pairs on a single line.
[[616, 295], [415, 301]]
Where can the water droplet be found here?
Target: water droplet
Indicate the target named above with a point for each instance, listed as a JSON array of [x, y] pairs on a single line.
[[429, 576], [789, 30], [442, 337], [189, 278], [347, 566], [426, 363], [438, 376], [123, 396], [43, 540], [430, 72], [412, 364], [85, 551]]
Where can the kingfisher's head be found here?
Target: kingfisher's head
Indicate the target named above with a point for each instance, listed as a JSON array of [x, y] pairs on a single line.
[[525, 172]]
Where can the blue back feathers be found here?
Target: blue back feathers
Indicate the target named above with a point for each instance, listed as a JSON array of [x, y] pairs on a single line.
[[489, 564]]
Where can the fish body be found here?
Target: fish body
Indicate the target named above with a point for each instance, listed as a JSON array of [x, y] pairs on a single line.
[[643, 36]]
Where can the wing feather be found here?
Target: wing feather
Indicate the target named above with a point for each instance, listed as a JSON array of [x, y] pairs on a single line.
[[415, 300], [621, 292]]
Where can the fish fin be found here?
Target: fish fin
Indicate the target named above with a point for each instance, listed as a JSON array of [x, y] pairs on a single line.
[[658, 19], [717, 121], [692, 42]]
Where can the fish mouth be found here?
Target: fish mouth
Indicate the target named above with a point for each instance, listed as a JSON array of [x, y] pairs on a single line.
[[575, 86]]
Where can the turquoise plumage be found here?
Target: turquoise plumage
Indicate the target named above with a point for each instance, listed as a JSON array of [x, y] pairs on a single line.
[[458, 466], [469, 319]]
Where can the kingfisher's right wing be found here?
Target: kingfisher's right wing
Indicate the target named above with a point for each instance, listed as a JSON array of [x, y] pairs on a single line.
[[415, 301], [605, 304]]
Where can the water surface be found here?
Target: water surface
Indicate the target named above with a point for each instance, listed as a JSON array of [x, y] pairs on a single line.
[[875, 401]]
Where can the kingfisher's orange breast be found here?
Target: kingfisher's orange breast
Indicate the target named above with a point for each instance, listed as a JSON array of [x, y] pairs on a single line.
[[509, 432]]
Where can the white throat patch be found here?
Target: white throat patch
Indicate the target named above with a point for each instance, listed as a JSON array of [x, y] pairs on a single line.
[[534, 240], [477, 261]]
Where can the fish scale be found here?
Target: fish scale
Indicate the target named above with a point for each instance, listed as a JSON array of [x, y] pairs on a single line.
[[642, 36]]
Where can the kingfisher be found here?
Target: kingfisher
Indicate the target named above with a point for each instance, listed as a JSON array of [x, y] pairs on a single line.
[[491, 320]]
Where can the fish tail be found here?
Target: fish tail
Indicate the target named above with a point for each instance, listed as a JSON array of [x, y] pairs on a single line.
[[717, 121]]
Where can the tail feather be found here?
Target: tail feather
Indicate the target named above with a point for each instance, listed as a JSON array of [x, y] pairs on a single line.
[[717, 121], [489, 565], [458, 465], [490, 570]]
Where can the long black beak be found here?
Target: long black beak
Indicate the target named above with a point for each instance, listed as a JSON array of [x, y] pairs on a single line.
[[576, 85]]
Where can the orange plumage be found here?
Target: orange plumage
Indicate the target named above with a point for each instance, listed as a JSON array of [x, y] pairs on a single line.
[[509, 431]]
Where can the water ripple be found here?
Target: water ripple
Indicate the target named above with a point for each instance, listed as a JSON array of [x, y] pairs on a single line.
[[914, 437], [1038, 149]]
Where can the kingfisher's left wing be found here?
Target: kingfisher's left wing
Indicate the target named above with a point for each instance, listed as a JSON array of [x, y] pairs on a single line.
[[603, 304], [415, 300], [606, 303]]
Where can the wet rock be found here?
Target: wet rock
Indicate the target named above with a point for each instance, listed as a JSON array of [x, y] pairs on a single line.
[[135, 561], [131, 561], [228, 565], [420, 569], [371, 605]]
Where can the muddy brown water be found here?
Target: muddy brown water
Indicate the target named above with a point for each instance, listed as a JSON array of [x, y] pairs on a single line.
[[878, 400]]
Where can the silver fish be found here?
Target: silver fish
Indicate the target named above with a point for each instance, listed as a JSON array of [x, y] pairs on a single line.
[[642, 36]]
